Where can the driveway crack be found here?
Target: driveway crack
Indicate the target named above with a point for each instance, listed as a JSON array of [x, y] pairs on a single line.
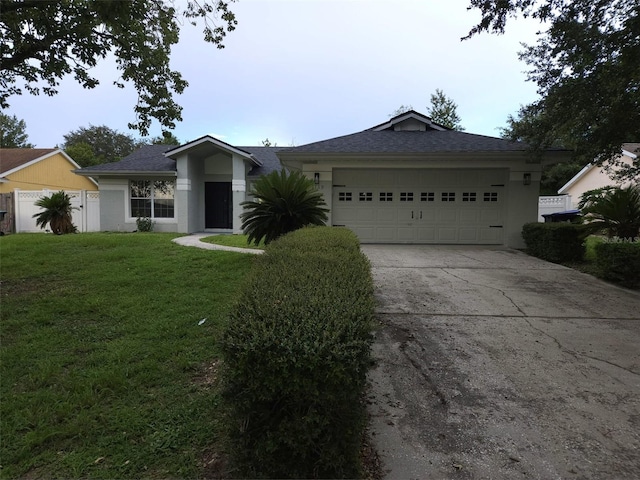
[[488, 286], [575, 354]]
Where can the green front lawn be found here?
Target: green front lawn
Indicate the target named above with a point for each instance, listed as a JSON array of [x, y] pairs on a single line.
[[109, 354]]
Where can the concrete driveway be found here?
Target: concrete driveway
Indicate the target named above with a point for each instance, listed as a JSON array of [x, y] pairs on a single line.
[[494, 364]]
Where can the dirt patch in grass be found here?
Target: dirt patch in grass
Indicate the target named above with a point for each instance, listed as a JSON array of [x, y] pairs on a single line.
[[207, 376]]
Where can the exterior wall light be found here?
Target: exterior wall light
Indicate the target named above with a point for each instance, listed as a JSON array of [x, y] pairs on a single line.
[[316, 178], [526, 179]]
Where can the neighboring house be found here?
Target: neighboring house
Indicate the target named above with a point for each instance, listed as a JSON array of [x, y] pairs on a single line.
[[27, 174], [40, 169], [592, 176], [407, 180]]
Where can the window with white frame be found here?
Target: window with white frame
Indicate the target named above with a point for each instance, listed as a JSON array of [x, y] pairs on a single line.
[[152, 198]]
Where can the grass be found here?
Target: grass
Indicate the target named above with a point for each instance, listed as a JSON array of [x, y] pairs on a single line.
[[106, 370], [239, 241]]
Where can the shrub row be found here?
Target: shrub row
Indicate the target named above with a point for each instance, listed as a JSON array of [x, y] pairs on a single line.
[[555, 242], [296, 352], [619, 263]]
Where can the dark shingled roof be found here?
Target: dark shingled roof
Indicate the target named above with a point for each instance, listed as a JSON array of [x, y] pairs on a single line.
[[148, 158], [430, 141], [266, 155]]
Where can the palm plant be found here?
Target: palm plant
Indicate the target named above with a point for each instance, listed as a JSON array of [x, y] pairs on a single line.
[[283, 202], [614, 211], [56, 213]]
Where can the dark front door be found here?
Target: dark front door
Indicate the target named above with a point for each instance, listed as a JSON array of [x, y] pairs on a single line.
[[217, 205]]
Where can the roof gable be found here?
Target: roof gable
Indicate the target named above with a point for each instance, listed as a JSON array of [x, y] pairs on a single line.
[[409, 121], [209, 140], [629, 150]]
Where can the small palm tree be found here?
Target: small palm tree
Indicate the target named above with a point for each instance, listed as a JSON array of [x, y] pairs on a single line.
[[282, 203], [57, 213], [616, 211]]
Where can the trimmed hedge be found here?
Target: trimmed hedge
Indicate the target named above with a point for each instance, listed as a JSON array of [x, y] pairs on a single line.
[[619, 263], [555, 242], [296, 352]]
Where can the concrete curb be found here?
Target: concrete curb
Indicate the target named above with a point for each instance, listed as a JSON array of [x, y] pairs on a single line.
[[194, 240]]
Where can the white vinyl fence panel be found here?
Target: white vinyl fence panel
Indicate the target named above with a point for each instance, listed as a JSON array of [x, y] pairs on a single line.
[[553, 204], [85, 203]]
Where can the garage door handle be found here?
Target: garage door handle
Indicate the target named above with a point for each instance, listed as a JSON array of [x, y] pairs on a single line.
[[412, 214]]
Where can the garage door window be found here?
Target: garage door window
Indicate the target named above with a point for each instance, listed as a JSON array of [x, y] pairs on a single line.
[[344, 197], [448, 196], [427, 197], [490, 196], [406, 196], [366, 196], [386, 196], [468, 196]]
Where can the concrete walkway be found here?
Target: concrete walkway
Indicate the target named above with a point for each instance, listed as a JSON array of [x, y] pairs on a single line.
[[194, 240], [491, 364]]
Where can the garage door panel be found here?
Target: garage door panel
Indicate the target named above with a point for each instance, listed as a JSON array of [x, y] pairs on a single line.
[[490, 235], [468, 235], [490, 217], [424, 206], [386, 215], [385, 234], [426, 234], [447, 235], [406, 234], [446, 216]]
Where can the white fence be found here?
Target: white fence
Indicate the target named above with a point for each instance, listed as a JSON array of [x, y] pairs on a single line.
[[553, 204], [85, 203]]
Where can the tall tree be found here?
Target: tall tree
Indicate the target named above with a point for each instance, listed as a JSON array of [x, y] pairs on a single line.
[[107, 145], [587, 71], [443, 110], [400, 110], [13, 132], [42, 41], [167, 138], [554, 176]]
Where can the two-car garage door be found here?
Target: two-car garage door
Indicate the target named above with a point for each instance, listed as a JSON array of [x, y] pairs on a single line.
[[421, 206]]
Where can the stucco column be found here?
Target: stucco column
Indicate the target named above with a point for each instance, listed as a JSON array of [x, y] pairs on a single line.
[[238, 191]]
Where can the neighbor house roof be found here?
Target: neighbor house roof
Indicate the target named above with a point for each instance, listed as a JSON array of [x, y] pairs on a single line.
[[12, 159], [631, 150]]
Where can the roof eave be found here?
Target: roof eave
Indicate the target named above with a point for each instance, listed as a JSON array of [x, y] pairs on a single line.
[[120, 173]]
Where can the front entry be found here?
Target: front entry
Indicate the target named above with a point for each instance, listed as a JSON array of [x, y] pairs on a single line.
[[217, 205]]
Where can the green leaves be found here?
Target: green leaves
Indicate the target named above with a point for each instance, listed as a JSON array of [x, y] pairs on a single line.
[[615, 211], [104, 145], [43, 41], [587, 71], [282, 203], [57, 213], [443, 111], [13, 132], [296, 350]]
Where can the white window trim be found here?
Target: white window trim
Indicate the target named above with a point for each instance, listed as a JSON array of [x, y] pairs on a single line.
[[130, 218]]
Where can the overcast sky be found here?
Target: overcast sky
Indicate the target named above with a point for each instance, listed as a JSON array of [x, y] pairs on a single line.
[[300, 71]]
